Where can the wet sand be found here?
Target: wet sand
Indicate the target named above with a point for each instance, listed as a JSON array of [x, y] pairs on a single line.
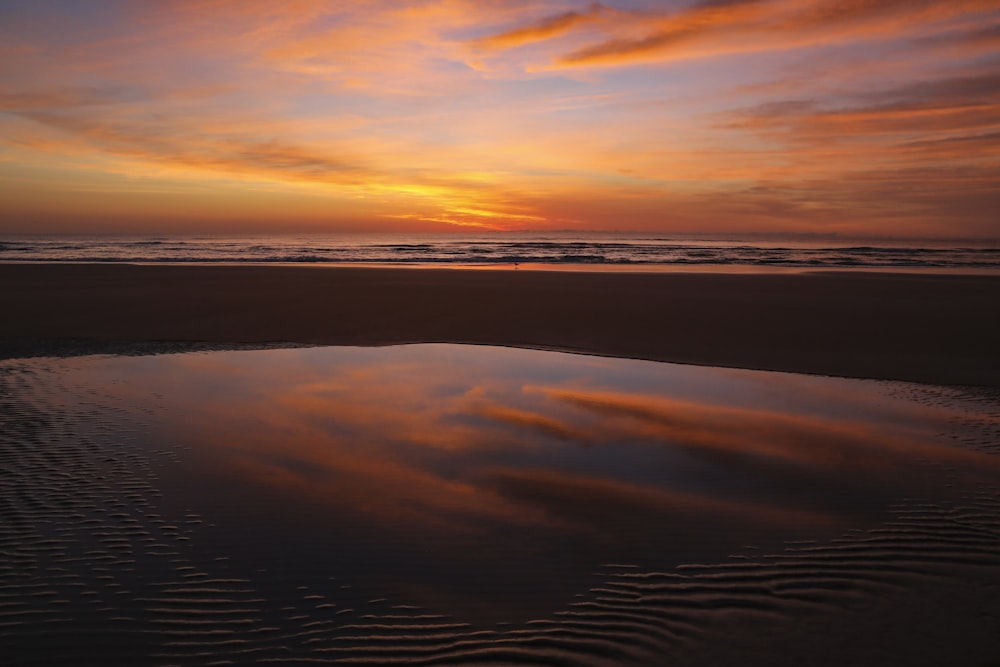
[[309, 506], [926, 328]]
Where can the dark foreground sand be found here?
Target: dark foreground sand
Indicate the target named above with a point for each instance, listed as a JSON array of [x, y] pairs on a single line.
[[926, 328], [443, 506], [152, 514]]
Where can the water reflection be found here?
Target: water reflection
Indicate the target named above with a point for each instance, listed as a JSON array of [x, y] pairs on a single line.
[[492, 483]]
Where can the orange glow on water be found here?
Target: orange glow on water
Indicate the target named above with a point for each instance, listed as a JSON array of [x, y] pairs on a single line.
[[492, 483], [331, 429]]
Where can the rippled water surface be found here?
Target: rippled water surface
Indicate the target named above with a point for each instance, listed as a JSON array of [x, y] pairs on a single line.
[[619, 251], [472, 505]]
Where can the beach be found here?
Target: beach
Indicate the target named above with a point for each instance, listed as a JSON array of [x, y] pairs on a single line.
[[284, 480], [467, 505], [928, 328], [576, 334]]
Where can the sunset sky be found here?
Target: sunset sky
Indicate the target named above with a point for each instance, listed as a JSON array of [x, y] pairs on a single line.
[[856, 117]]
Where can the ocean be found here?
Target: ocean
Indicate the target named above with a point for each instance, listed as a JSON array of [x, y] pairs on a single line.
[[565, 250]]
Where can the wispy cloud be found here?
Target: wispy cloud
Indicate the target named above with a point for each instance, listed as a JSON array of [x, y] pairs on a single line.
[[711, 115], [542, 29], [715, 28]]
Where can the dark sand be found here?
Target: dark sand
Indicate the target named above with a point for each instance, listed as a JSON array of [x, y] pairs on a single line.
[[443, 506], [118, 548], [918, 327]]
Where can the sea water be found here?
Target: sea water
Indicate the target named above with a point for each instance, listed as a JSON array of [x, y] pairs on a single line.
[[567, 249]]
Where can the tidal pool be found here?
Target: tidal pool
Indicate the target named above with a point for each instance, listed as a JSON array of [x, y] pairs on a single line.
[[460, 504]]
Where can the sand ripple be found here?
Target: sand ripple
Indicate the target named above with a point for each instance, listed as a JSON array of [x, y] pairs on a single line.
[[93, 571]]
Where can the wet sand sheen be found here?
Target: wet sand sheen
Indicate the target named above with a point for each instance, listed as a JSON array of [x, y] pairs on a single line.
[[118, 540], [924, 328]]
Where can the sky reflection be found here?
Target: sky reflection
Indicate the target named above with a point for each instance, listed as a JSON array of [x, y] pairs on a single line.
[[493, 483]]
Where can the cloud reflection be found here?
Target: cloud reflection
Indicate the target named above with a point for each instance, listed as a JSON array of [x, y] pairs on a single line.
[[532, 465]]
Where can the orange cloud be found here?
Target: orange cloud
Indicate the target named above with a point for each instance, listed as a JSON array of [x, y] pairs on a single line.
[[712, 28], [792, 438], [329, 438], [407, 117], [543, 29]]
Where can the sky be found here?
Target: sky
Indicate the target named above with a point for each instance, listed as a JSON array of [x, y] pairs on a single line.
[[819, 117]]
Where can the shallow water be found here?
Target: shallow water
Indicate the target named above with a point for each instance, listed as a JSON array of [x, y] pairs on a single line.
[[444, 503]]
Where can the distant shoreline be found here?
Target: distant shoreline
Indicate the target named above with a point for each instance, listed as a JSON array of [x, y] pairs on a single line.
[[922, 327]]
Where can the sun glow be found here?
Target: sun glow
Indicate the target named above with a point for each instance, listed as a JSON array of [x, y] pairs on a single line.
[[765, 115]]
